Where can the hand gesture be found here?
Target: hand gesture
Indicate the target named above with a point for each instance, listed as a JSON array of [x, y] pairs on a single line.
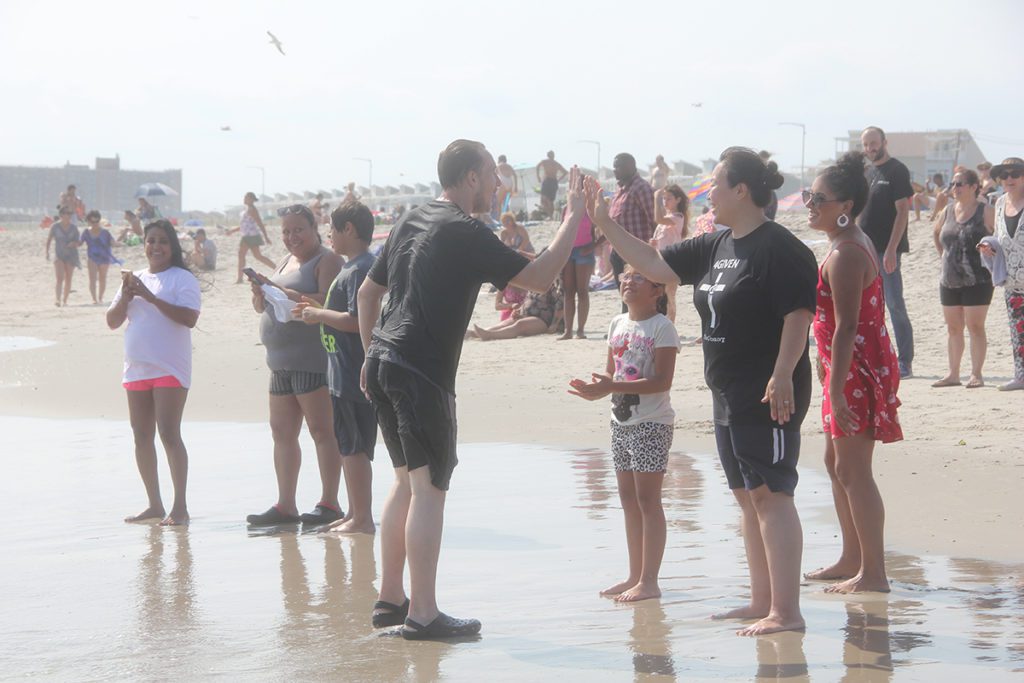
[[986, 250], [257, 292], [135, 287], [307, 310], [889, 261], [362, 381], [574, 197], [820, 367], [599, 387], [597, 205], [842, 415], [779, 397]]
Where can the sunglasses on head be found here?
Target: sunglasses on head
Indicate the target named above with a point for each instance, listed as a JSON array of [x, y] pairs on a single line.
[[815, 199], [1015, 173], [301, 209]]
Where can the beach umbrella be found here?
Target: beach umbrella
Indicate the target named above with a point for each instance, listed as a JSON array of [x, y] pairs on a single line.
[[699, 189], [193, 223], [792, 202], [155, 190]]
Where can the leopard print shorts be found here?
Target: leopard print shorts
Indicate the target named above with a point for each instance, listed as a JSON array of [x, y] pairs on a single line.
[[641, 447]]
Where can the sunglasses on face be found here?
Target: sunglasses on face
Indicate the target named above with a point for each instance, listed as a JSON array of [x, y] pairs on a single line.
[[959, 183], [1015, 173], [815, 199]]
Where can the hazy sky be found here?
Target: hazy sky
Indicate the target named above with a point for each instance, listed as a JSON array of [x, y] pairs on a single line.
[[396, 81]]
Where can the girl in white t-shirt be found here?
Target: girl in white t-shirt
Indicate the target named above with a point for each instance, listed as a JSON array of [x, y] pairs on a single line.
[[161, 305], [642, 348]]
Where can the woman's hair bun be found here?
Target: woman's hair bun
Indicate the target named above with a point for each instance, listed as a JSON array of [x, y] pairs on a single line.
[[852, 162], [773, 180]]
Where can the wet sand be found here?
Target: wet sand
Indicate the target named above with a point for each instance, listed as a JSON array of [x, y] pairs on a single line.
[[532, 535]]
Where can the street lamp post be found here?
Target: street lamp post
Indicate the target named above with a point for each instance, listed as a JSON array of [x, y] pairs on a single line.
[[598, 145], [803, 145], [370, 164], [263, 178]]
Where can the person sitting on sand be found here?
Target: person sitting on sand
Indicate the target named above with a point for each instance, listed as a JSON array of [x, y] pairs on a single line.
[[161, 305], [859, 372], [514, 236], [131, 233], [540, 313], [65, 238], [204, 251], [641, 360], [147, 212], [754, 288], [99, 254], [355, 425], [254, 235]]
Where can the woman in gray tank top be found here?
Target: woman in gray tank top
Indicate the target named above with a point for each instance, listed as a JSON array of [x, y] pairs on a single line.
[[298, 366], [965, 286]]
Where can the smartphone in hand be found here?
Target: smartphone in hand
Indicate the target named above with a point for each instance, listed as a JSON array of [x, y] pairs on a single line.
[[252, 275]]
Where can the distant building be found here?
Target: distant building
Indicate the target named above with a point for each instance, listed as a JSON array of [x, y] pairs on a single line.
[[32, 191], [929, 152]]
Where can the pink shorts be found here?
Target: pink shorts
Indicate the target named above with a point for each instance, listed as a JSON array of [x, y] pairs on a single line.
[[165, 382]]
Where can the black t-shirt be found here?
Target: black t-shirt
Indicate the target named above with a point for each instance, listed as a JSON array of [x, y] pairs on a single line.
[[345, 349], [887, 184], [743, 289], [433, 264]]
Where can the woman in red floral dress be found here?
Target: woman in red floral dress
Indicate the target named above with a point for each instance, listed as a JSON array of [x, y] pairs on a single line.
[[859, 372]]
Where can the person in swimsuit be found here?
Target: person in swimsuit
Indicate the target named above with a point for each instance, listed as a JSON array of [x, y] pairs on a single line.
[[859, 372], [965, 285], [254, 235], [514, 236], [576, 279], [298, 371], [147, 212], [539, 313], [551, 173], [65, 238], [98, 242], [508, 183], [660, 173], [70, 199], [671, 212], [131, 233]]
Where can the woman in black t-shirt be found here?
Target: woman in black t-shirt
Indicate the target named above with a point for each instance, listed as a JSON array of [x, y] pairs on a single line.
[[754, 287]]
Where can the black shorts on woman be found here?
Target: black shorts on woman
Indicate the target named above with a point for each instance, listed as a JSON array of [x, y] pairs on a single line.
[[743, 289]]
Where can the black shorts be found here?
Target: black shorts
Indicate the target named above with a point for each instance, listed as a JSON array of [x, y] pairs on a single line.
[[355, 426], [416, 418], [975, 295], [752, 455], [294, 382]]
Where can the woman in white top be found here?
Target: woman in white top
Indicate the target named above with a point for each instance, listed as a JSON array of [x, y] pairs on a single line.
[[161, 305]]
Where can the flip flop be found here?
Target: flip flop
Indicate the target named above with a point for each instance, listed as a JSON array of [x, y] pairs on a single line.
[[443, 626], [975, 384], [272, 517], [942, 383], [395, 616]]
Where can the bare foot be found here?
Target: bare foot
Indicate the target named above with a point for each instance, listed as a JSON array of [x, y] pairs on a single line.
[[860, 584], [748, 612], [567, 335], [837, 572], [618, 588], [481, 333], [641, 591], [580, 335], [352, 526], [772, 624], [947, 381], [176, 519], [975, 382], [147, 514]]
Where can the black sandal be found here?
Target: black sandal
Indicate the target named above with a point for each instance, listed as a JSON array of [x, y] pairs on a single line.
[[272, 517], [395, 616], [443, 626]]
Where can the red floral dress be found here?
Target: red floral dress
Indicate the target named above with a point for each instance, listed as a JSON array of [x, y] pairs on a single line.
[[874, 376]]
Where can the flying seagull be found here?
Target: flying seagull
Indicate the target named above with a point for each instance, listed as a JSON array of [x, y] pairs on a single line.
[[275, 42], [697, 105], [225, 128]]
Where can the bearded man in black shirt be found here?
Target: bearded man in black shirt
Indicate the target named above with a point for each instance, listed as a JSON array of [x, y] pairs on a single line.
[[884, 220], [432, 266]]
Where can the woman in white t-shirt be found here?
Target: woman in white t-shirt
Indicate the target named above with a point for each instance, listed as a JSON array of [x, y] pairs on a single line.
[[642, 348], [161, 305]]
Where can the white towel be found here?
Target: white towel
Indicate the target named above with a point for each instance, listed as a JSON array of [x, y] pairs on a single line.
[[281, 306]]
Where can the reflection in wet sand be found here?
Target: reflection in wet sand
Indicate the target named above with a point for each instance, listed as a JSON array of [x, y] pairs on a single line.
[[531, 535]]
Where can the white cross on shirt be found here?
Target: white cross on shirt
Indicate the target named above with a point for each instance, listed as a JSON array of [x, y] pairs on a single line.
[[711, 289]]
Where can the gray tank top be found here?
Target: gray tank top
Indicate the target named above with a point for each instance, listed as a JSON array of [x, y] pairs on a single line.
[[294, 345], [961, 263]]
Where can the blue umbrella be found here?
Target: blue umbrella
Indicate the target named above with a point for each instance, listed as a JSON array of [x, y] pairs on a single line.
[[155, 190], [193, 223]]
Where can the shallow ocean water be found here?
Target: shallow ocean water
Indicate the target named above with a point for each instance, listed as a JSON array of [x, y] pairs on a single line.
[[532, 534]]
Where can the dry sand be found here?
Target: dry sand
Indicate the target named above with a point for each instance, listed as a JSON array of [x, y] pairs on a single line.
[[952, 487]]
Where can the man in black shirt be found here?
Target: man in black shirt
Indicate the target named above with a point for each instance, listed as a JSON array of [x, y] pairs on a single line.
[[432, 266], [884, 220]]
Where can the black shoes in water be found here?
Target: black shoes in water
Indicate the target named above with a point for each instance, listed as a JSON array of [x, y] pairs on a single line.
[[322, 514]]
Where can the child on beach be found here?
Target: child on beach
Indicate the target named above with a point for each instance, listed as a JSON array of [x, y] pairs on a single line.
[[642, 348]]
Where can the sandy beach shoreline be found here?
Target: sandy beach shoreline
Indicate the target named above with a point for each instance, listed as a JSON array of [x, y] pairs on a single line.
[[950, 487]]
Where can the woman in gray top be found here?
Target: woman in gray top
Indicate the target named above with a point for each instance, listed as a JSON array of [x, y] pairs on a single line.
[[298, 366], [965, 286], [65, 238]]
